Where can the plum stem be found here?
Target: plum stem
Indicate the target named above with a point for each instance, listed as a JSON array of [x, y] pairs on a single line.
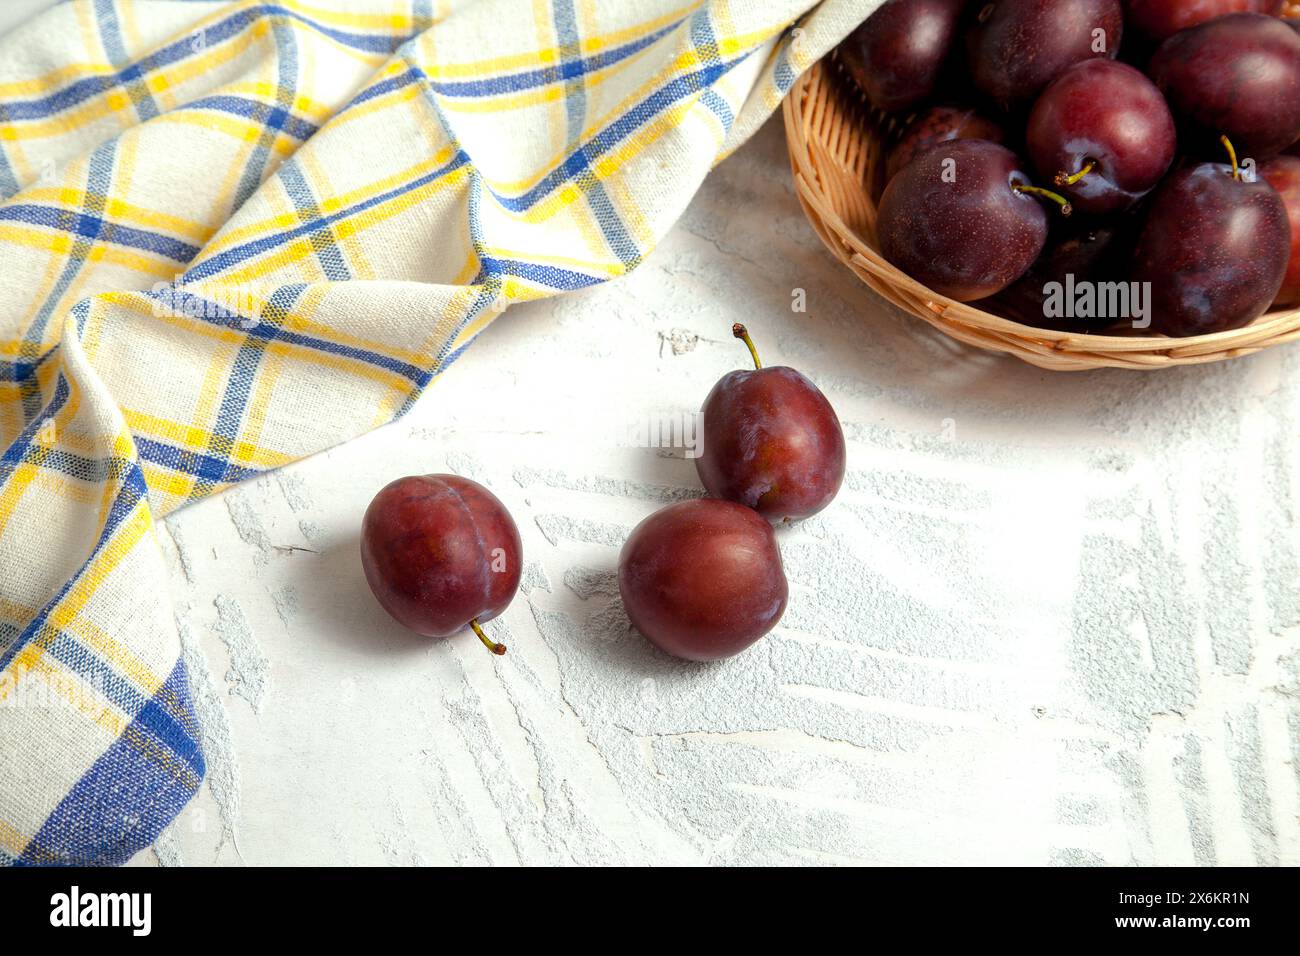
[[1069, 179], [740, 332], [1232, 157], [1066, 208], [490, 644]]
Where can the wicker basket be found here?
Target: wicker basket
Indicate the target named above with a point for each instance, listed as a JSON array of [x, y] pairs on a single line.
[[836, 150]]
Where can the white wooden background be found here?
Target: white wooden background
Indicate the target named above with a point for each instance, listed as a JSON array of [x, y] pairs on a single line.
[[1050, 619]]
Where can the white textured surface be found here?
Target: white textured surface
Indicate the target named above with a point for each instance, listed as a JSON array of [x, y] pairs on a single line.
[[1051, 618]]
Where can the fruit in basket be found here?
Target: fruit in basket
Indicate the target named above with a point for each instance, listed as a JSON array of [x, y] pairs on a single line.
[[1293, 21], [1213, 246], [770, 441], [1016, 47], [1102, 133], [702, 579], [940, 124], [962, 218], [1283, 174], [1060, 290], [441, 554], [1161, 19], [897, 55], [1237, 76], [1214, 249]]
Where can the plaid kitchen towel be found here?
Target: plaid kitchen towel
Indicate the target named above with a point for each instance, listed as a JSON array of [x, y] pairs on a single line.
[[234, 234]]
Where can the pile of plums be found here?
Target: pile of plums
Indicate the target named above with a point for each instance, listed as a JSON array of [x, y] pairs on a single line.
[[1080, 144], [701, 579]]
